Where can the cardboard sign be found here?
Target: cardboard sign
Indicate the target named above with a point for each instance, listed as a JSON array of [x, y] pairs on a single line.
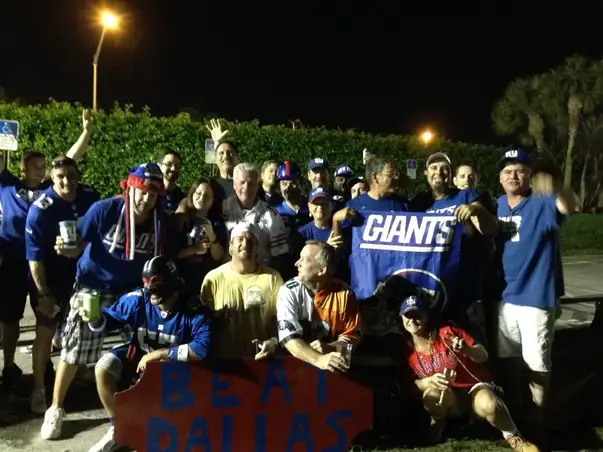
[[280, 405]]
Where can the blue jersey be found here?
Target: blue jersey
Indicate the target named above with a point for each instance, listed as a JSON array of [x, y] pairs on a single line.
[[42, 229], [16, 198], [100, 269], [311, 232], [529, 242], [155, 329], [292, 219]]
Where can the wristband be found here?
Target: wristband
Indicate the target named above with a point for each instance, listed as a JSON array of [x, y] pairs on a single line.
[[98, 329], [178, 353]]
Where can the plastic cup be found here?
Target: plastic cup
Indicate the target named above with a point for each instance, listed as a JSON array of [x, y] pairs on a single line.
[[68, 232], [346, 352]]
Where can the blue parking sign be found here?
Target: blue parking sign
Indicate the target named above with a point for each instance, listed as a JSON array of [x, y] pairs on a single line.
[[9, 135]]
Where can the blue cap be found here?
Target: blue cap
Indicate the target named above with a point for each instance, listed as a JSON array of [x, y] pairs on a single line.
[[514, 155], [317, 163], [318, 192], [344, 171], [288, 171], [412, 303]]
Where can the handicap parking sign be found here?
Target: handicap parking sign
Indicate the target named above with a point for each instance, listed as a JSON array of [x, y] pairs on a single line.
[[9, 135]]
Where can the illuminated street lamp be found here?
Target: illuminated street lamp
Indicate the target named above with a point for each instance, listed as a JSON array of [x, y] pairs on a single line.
[[427, 137], [109, 22]]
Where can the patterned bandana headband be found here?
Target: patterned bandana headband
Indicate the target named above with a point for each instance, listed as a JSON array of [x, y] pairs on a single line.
[[146, 177]]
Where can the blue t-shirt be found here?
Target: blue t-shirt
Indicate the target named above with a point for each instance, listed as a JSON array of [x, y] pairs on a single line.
[[469, 287], [311, 232], [42, 229], [389, 204], [172, 199], [100, 269], [16, 198], [529, 242], [155, 329]]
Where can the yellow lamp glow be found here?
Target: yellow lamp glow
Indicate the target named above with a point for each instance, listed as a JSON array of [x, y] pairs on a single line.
[[109, 20]]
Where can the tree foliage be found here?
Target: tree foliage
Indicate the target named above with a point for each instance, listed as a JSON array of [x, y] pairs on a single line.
[[124, 137]]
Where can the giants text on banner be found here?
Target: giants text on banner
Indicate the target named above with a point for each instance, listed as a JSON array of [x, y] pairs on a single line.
[[280, 405], [422, 251]]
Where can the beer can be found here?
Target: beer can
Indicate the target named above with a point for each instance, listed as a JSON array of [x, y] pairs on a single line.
[[91, 304]]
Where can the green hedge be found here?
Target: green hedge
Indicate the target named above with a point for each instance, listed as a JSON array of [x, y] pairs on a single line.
[[582, 235], [124, 138]]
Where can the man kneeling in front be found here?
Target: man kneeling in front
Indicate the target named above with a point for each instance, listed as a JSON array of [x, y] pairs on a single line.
[[167, 327], [318, 316]]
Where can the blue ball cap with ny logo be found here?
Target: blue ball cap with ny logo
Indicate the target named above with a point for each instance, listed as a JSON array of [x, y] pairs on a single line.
[[514, 155], [412, 303]]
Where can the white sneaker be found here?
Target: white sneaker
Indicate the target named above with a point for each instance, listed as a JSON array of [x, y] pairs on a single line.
[[107, 442], [37, 403], [53, 422]]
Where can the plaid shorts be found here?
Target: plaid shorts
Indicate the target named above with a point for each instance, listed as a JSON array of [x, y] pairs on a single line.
[[80, 344]]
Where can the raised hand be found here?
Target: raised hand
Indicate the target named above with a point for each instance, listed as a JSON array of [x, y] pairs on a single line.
[[216, 131]]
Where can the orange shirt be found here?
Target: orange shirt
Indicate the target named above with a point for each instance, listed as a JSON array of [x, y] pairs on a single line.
[[332, 315]]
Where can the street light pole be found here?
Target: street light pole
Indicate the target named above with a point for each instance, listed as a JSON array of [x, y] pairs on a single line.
[[95, 67]]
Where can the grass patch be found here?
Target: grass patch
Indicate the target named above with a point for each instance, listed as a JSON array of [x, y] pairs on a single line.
[[582, 235]]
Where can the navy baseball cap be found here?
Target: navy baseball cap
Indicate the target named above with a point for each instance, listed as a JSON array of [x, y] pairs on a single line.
[[318, 192], [343, 170], [318, 163], [412, 303], [354, 180], [514, 155]]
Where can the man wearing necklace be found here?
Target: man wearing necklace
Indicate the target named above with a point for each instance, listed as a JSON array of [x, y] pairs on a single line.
[[448, 367]]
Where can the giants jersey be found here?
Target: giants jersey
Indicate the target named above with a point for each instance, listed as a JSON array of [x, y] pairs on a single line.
[[156, 329], [273, 239], [16, 198], [333, 314]]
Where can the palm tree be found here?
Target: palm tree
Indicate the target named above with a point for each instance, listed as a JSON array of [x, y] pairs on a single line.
[[579, 84], [522, 110]]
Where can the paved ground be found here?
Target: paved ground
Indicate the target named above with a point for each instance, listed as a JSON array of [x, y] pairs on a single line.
[[86, 421]]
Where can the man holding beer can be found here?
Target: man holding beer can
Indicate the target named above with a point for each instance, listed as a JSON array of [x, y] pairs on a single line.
[[170, 326], [117, 236]]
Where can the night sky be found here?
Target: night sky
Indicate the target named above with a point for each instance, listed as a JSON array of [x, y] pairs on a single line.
[[381, 68]]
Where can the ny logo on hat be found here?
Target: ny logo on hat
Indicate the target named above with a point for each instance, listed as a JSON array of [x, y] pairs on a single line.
[[411, 301], [512, 154], [318, 160]]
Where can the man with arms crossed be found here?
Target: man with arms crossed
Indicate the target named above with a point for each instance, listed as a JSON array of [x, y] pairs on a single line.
[[318, 316], [530, 261]]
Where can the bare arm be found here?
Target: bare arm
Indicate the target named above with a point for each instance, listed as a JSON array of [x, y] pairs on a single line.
[[38, 274], [81, 145], [302, 351], [483, 221]]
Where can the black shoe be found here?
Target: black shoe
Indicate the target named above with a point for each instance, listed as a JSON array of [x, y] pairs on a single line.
[[11, 375]]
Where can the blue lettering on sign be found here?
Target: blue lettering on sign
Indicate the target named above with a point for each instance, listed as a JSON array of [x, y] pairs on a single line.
[[218, 400], [176, 395], [276, 378]]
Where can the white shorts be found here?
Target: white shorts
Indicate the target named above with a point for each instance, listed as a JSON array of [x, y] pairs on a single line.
[[526, 332]]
